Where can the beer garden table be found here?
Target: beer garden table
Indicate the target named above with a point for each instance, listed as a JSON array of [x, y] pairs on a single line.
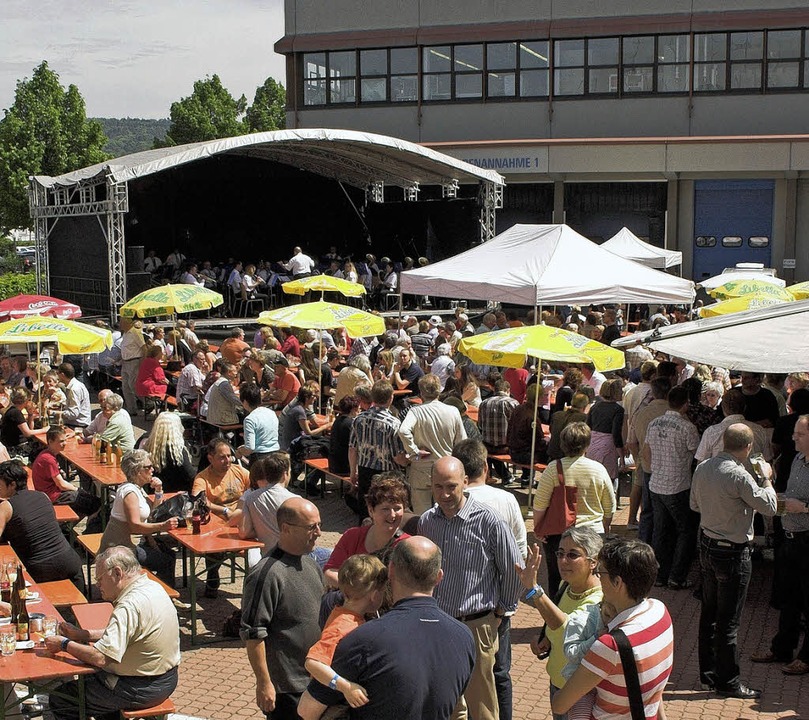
[[216, 539]]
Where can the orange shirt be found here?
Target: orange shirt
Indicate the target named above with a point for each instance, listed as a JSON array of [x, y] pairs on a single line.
[[223, 491], [232, 350], [289, 383], [340, 623]]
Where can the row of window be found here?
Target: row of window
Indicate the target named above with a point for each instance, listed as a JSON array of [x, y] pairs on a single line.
[[754, 61], [756, 241]]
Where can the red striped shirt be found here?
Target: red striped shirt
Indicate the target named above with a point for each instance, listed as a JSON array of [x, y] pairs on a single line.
[[649, 630]]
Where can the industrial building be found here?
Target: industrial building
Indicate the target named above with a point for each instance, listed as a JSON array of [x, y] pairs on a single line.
[[685, 121]]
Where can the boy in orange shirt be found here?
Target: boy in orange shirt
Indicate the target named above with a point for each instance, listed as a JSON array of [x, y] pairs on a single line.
[[362, 580]]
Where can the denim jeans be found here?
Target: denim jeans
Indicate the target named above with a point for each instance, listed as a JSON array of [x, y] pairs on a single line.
[[726, 576], [673, 537], [502, 669]]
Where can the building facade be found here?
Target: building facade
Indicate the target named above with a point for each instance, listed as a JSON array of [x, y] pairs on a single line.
[[686, 121]]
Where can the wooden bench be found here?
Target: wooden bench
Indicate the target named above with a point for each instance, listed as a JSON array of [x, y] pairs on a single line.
[[90, 543], [539, 467], [62, 593], [161, 711], [321, 465]]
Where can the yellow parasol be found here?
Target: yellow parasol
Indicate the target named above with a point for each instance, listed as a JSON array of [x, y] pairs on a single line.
[[71, 337], [323, 316], [511, 348], [737, 304], [323, 283], [740, 288], [170, 299], [800, 291]]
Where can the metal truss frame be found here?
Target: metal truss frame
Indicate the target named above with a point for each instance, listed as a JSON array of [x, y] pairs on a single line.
[[491, 200], [48, 205]]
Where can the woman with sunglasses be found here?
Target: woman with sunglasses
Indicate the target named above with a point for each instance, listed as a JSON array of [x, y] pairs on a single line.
[[577, 557], [129, 525]]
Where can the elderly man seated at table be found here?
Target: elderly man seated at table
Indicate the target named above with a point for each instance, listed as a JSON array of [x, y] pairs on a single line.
[[118, 429], [137, 653]]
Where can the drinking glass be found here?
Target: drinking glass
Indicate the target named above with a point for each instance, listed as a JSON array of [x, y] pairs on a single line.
[[8, 639], [50, 626], [189, 521]]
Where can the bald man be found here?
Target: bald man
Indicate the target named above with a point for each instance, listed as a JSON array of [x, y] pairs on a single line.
[[415, 660], [727, 496], [480, 584], [280, 610]]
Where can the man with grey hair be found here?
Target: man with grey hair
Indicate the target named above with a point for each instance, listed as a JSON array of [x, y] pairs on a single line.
[[137, 653], [119, 430], [489, 324]]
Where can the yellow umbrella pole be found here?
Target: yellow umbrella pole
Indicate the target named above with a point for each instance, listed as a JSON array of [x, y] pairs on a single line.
[[530, 512]]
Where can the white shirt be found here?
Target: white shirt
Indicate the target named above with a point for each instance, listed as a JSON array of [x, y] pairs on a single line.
[[299, 264], [595, 381], [189, 279], [131, 344], [507, 507]]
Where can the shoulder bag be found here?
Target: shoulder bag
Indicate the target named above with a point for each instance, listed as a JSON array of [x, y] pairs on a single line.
[[561, 512], [630, 674]]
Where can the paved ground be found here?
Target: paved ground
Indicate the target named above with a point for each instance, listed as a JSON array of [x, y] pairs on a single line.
[[216, 681]]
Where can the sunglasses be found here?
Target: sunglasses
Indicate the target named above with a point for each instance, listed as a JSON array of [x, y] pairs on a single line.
[[569, 556]]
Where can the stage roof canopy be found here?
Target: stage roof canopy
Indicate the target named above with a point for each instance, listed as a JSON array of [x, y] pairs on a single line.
[[357, 158]]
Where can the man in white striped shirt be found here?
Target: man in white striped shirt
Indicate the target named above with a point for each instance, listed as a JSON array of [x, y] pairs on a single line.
[[479, 557]]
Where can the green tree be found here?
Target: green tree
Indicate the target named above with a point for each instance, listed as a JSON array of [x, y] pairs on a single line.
[[45, 132], [208, 113], [268, 109]]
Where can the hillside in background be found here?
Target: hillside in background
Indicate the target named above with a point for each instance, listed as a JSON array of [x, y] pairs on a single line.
[[131, 135]]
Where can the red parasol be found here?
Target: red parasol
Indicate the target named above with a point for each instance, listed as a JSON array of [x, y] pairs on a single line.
[[21, 306]]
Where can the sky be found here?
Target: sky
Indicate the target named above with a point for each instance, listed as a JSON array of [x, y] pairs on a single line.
[[133, 58]]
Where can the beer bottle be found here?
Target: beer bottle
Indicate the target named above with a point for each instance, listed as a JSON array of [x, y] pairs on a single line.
[[23, 620], [102, 452]]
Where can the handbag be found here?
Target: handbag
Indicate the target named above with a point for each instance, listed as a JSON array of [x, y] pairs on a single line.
[[630, 674], [179, 505], [561, 512]]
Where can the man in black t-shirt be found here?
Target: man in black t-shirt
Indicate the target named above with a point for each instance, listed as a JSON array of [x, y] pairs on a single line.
[[760, 404]]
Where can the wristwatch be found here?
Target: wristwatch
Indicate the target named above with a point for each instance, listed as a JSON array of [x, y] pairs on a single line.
[[225, 512], [537, 590]]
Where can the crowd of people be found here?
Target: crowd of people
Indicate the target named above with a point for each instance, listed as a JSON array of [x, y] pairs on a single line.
[[428, 443]]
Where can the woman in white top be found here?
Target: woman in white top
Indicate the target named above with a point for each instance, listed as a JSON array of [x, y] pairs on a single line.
[[350, 272], [251, 283], [128, 524]]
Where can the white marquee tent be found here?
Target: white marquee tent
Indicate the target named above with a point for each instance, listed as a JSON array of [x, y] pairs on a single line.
[[628, 245], [771, 339], [545, 265]]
